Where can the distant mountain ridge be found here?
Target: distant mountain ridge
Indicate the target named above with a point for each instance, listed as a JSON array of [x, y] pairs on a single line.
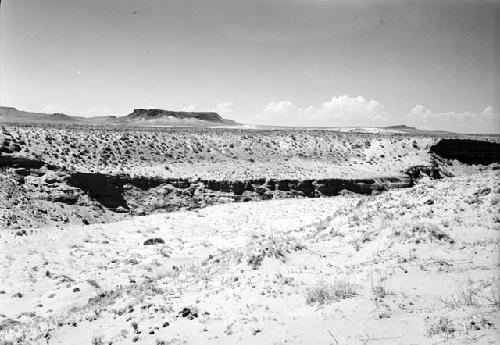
[[139, 117]]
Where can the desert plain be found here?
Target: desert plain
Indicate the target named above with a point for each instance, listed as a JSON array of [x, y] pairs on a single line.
[[114, 235]]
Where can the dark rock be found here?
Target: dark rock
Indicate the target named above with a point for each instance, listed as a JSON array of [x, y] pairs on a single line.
[[238, 187], [468, 151], [153, 241], [108, 190], [188, 313], [21, 233]]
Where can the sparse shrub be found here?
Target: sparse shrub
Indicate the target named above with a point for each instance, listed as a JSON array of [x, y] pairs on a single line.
[[476, 323], [96, 286], [423, 232], [440, 326], [272, 247], [472, 293], [97, 340], [492, 293], [323, 292], [468, 292]]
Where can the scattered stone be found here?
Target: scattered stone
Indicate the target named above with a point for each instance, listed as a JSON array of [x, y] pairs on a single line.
[[21, 233], [189, 313]]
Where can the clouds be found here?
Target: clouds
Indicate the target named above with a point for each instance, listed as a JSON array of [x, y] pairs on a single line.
[[486, 121], [280, 108], [189, 108], [54, 108], [358, 111], [224, 108], [338, 111]]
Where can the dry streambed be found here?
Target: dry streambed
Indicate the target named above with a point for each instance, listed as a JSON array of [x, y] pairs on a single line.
[[412, 266]]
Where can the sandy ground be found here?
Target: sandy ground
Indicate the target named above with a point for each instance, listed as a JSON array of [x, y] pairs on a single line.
[[414, 266]]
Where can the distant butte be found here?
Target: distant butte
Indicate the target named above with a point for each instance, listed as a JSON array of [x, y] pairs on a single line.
[[139, 117]]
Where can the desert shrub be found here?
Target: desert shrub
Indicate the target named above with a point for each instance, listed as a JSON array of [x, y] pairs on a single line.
[[324, 293], [495, 293], [468, 292], [423, 232], [271, 247], [440, 326], [476, 323], [97, 340], [475, 293]]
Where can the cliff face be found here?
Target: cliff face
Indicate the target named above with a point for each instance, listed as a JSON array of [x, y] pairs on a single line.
[[57, 195], [147, 195], [468, 151]]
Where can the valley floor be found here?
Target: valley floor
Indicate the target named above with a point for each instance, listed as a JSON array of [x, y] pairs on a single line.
[[412, 266]]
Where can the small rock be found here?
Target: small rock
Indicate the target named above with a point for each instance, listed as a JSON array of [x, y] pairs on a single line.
[[189, 313], [153, 241]]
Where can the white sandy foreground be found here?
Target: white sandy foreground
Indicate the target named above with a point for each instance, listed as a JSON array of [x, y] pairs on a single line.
[[415, 266]]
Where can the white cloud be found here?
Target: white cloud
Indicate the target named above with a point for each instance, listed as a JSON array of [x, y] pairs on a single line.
[[280, 108], [486, 121], [339, 111], [224, 108], [357, 111], [53, 108], [189, 108]]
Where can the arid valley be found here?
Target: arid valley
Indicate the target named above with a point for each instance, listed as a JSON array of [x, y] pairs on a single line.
[[255, 172], [121, 235]]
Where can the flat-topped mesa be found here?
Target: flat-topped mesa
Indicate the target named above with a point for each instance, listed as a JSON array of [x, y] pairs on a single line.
[[154, 114]]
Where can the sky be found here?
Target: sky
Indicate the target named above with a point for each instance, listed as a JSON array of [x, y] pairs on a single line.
[[430, 64]]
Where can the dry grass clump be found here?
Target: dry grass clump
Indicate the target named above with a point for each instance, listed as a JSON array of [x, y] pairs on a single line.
[[475, 293], [423, 232], [97, 340], [324, 293], [271, 247], [494, 295], [442, 325]]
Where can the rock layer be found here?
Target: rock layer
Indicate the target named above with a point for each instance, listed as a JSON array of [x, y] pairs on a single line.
[[468, 151]]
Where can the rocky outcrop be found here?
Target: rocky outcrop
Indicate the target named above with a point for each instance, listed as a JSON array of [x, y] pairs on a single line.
[[22, 162], [151, 194], [468, 151], [107, 190], [418, 171]]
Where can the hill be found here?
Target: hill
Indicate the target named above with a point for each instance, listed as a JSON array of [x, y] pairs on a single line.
[[139, 117]]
